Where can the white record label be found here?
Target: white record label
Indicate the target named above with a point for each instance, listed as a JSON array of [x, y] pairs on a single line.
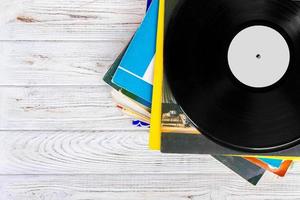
[[258, 56]]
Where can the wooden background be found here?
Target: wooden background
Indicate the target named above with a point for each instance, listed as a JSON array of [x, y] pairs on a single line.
[[62, 138]]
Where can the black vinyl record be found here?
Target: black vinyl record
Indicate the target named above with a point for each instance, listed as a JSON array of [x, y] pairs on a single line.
[[228, 111]]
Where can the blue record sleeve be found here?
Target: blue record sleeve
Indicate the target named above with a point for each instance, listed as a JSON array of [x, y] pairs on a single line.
[[135, 72]]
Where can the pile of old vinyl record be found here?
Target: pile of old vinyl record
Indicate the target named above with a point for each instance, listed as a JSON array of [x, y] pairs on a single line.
[[219, 77]]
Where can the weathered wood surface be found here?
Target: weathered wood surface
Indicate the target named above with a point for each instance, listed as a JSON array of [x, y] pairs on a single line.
[[62, 138], [60, 108], [40, 63], [98, 152], [69, 19], [135, 187]]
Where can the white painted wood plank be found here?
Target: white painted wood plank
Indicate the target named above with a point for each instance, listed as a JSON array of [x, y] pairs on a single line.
[[70, 19], [60, 108], [56, 63], [134, 187], [100, 152]]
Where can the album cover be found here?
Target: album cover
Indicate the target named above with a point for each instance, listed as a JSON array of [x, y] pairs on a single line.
[[276, 166], [250, 172], [112, 70], [136, 104], [109, 75], [139, 119], [135, 72], [135, 108]]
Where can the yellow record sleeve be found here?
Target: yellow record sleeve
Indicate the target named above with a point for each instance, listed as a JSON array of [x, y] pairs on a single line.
[[155, 128]]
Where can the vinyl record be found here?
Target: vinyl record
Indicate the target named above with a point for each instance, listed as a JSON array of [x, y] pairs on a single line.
[[233, 66]]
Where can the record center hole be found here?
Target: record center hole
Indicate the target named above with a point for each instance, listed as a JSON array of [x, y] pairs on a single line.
[[258, 56]]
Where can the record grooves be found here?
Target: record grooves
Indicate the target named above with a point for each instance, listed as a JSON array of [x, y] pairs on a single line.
[[225, 109]]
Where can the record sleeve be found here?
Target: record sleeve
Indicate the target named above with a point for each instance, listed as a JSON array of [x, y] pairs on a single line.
[[280, 167], [109, 75], [135, 71]]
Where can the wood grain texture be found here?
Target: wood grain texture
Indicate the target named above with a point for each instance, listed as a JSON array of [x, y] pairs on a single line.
[[60, 108], [95, 152], [69, 19], [99, 152], [127, 187], [97, 186], [61, 136], [32, 63]]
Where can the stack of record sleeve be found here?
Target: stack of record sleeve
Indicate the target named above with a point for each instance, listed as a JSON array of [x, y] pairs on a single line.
[[138, 89]]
